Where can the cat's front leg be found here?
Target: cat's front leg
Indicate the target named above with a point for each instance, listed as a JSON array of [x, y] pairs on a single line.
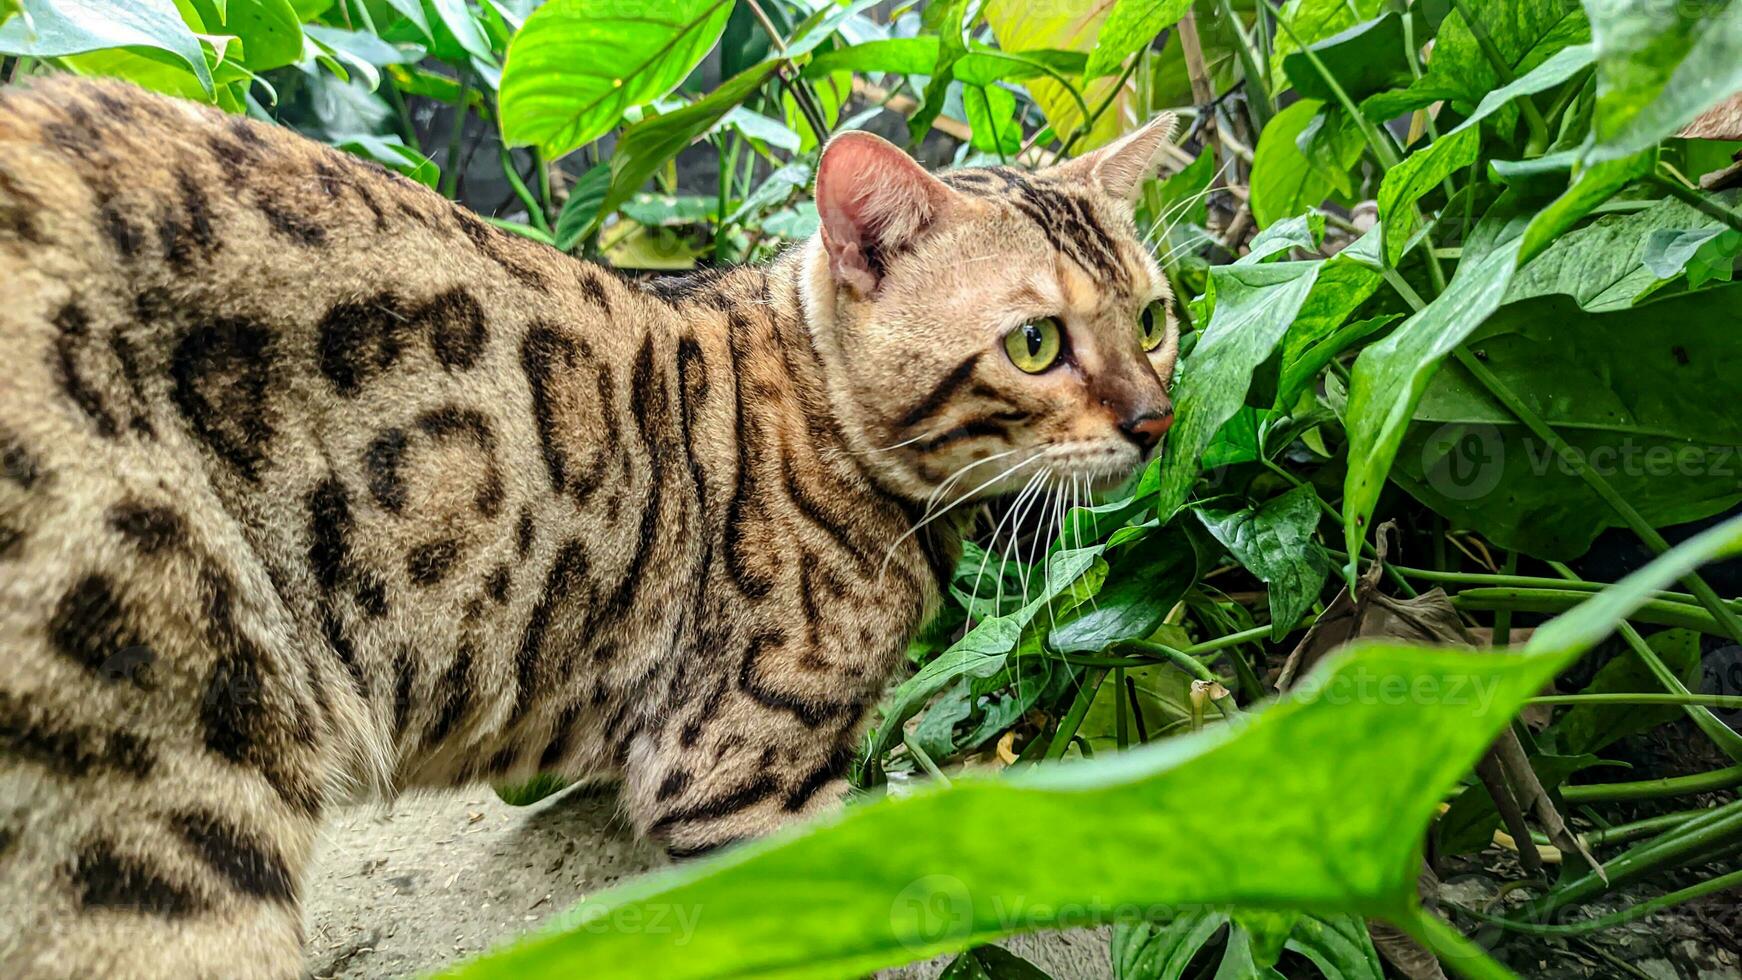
[[709, 782]]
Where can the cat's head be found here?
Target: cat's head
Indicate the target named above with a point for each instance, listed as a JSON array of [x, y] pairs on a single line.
[[986, 326]]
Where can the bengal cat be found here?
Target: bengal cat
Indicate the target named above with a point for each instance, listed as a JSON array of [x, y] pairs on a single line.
[[317, 485]]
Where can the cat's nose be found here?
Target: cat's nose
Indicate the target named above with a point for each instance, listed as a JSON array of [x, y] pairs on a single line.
[[1147, 429]]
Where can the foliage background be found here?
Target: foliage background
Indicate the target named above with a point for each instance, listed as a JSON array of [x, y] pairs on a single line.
[[1452, 267]]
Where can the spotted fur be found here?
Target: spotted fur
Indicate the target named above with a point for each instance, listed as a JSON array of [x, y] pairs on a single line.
[[317, 485]]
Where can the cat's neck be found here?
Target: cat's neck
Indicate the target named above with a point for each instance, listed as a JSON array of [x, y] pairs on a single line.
[[791, 387]]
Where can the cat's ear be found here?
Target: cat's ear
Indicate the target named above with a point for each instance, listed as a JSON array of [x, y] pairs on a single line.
[[872, 201], [1121, 167]]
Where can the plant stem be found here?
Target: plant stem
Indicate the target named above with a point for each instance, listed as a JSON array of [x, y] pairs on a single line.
[[1726, 701], [1640, 911], [1695, 583], [1089, 122], [1656, 611], [1715, 830], [1650, 789], [1121, 710], [1381, 143], [1452, 947], [924, 759], [1695, 199], [1257, 93], [1073, 719], [450, 169], [801, 94], [534, 213], [1185, 662], [1640, 828]]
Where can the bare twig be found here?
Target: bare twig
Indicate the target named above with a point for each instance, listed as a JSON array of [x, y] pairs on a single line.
[[1531, 794], [1493, 777]]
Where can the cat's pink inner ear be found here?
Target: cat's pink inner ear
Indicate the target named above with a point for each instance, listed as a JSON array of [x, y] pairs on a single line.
[[873, 200]]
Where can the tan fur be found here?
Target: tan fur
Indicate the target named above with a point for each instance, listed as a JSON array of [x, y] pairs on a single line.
[[317, 486]]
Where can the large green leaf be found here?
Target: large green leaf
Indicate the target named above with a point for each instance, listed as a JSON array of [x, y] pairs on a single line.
[[1129, 29], [1613, 262], [1073, 25], [1144, 582], [1366, 58], [1525, 32], [1275, 542], [1630, 391], [645, 146], [1252, 306], [1658, 66], [902, 879], [270, 31], [1285, 180], [1424, 169], [1390, 376], [578, 65], [1311, 21], [53, 28]]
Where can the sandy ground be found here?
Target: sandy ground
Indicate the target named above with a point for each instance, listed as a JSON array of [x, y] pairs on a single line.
[[439, 878]]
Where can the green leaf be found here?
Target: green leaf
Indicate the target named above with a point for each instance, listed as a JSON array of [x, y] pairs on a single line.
[[531, 791], [981, 652], [1630, 391], [1389, 377], [1593, 727], [586, 199], [1526, 32], [991, 112], [911, 877], [944, 18], [1285, 181], [917, 875], [1253, 305], [1338, 945], [54, 28], [645, 146], [1658, 66], [1129, 29], [1021, 28], [1365, 58], [1312, 21], [991, 963], [1162, 951], [578, 65], [1146, 580], [1275, 542], [270, 31], [980, 65], [1613, 262], [1424, 169], [1304, 231], [756, 126]]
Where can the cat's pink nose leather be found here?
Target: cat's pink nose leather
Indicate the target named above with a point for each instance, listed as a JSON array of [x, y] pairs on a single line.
[[1147, 430]]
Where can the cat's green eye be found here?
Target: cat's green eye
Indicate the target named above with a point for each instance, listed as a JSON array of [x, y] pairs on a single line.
[[1034, 346], [1152, 325]]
